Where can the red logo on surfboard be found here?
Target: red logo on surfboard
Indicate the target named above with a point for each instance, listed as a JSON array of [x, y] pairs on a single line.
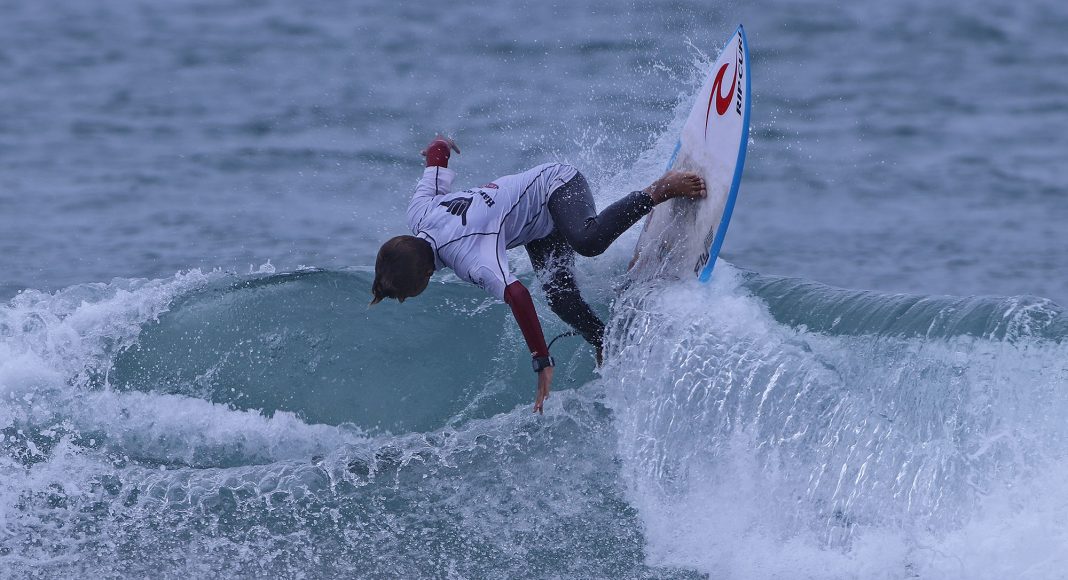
[[722, 102]]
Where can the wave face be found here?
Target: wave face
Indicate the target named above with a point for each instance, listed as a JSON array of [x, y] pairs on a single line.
[[186, 427], [759, 427], [307, 343]]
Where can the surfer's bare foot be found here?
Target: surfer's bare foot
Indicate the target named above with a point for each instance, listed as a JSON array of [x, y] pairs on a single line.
[[676, 184]]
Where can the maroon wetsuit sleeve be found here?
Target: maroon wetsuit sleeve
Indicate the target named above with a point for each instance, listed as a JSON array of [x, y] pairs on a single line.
[[437, 154], [517, 296]]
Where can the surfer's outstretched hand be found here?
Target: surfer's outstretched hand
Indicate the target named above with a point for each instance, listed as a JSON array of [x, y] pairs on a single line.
[[676, 184], [446, 140], [545, 377]]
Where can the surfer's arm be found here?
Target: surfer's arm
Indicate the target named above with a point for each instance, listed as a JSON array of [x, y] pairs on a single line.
[[488, 270], [518, 298], [436, 180]]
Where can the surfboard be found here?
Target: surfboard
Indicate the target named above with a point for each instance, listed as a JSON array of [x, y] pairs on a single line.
[[683, 236]]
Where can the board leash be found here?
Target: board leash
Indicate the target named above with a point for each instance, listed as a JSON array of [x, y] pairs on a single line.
[[562, 335]]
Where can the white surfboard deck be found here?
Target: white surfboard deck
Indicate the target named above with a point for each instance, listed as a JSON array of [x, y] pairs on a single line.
[[683, 236]]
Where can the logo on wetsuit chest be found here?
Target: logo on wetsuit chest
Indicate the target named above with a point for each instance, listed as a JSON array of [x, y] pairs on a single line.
[[485, 196], [458, 207]]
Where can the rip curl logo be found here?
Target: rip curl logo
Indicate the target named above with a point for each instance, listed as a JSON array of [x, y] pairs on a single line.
[[458, 207], [722, 102]]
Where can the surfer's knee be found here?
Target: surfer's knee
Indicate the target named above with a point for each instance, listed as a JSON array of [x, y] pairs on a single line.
[[588, 246], [554, 291]]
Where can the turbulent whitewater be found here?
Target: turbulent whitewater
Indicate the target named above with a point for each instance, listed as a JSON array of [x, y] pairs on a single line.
[[758, 427], [873, 386]]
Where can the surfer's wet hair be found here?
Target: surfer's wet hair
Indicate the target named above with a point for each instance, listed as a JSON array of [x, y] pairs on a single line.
[[403, 266]]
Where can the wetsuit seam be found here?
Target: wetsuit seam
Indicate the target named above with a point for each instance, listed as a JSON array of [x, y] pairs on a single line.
[[425, 233], [468, 236], [430, 202], [504, 276], [520, 198], [543, 206], [434, 243], [530, 221]]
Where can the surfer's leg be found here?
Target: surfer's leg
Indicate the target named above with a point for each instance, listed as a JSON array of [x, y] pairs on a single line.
[[588, 232], [554, 260]]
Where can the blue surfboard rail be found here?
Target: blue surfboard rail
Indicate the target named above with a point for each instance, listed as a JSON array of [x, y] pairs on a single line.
[[721, 232], [674, 155]]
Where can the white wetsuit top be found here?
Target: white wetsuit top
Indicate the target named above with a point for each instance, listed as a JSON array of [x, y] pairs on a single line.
[[471, 230]]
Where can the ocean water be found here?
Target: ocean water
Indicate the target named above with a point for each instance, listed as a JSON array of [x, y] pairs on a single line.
[[191, 384]]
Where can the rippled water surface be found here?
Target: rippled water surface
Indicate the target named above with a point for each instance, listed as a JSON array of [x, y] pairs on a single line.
[[191, 385]]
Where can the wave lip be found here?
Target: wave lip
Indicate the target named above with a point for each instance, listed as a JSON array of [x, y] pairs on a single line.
[[820, 308]]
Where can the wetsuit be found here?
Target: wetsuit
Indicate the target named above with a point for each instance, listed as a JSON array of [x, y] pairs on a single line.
[[549, 209]]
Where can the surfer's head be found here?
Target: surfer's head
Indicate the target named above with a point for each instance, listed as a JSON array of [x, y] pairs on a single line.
[[403, 268]]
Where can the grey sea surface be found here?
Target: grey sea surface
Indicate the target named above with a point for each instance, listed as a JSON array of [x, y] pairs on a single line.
[[192, 194], [903, 146]]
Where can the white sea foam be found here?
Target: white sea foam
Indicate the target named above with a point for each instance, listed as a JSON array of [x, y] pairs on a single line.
[[757, 450]]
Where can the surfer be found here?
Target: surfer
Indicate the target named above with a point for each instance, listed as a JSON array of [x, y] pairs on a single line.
[[548, 209]]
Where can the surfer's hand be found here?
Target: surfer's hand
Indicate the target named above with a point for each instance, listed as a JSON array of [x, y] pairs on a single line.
[[449, 142], [676, 184], [544, 378]]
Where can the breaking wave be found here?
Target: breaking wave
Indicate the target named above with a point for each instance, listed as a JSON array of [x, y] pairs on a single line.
[[757, 427]]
